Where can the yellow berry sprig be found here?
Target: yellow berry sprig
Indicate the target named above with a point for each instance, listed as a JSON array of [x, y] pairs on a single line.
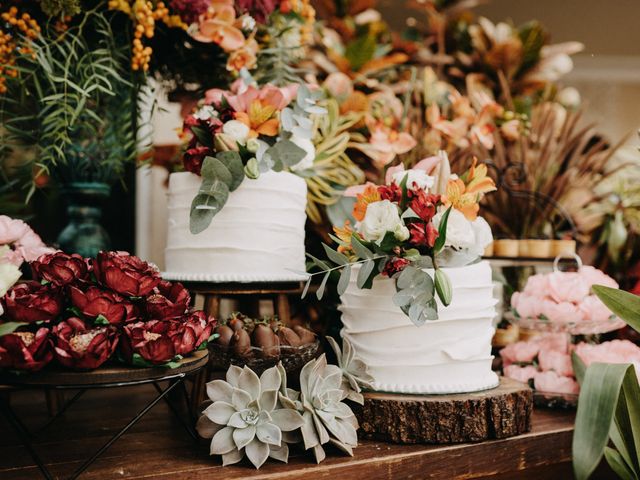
[[10, 48]]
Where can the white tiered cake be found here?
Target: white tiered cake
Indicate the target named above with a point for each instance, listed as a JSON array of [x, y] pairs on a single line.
[[448, 355], [257, 236]]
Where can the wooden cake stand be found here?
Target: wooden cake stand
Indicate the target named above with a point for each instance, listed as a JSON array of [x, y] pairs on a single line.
[[504, 411], [104, 377]]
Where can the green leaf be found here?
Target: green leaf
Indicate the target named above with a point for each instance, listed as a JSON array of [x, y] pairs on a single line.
[[323, 284], [343, 282], [365, 271], [360, 51], [9, 327], [579, 367], [233, 162], [618, 465], [101, 320], [334, 256], [213, 169], [359, 248], [442, 231], [203, 135], [207, 204], [389, 241], [306, 287], [443, 286], [285, 153], [596, 407], [624, 304], [319, 263]]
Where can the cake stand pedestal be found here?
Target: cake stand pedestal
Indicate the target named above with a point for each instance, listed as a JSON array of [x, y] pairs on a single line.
[[501, 412]]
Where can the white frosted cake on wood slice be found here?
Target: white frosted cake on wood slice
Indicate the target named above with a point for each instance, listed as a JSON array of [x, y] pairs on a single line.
[[448, 355], [257, 236]]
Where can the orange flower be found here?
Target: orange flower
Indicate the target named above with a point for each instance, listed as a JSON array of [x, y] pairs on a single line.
[[477, 180], [466, 192], [217, 26], [369, 195], [258, 109], [244, 57]]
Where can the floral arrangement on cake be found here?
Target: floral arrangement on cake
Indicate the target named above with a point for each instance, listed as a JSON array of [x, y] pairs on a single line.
[[260, 416], [83, 312], [246, 131], [416, 221], [565, 299], [545, 361]]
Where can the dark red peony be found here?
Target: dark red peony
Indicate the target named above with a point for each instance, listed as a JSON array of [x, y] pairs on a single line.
[[394, 265], [422, 234], [423, 204], [32, 302], [187, 336], [96, 301], [258, 9], [26, 351], [193, 158], [60, 269], [82, 347], [169, 301], [126, 274], [202, 324], [189, 10], [151, 340]]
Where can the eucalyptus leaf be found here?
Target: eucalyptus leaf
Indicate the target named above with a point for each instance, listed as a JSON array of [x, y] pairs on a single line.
[[319, 263], [365, 271], [233, 163], [343, 282], [207, 204], [213, 169], [359, 248], [405, 279], [285, 153], [335, 256], [203, 136], [306, 287], [9, 327], [323, 284]]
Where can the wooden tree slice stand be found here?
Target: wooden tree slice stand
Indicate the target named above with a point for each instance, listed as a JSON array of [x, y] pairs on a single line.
[[504, 411]]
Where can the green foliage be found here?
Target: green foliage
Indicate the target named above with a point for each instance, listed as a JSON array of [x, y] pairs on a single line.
[[221, 175], [609, 404], [415, 289], [60, 8], [74, 104], [360, 51], [9, 327]]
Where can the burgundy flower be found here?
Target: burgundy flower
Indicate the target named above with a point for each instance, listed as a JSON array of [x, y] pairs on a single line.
[[126, 274], [193, 158], [423, 234], [202, 325], [258, 9], [170, 301], [60, 269], [189, 10], [80, 347], [95, 301], [32, 302], [392, 192], [26, 351], [395, 265], [150, 340], [424, 204]]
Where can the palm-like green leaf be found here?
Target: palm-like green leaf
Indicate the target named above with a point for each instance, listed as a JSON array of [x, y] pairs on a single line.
[[624, 304]]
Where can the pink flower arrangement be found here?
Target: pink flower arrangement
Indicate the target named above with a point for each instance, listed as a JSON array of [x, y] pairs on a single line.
[[21, 242], [80, 311], [563, 297], [545, 360]]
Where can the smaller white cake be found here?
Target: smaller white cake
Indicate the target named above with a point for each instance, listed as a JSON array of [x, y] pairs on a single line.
[[257, 236], [448, 355]]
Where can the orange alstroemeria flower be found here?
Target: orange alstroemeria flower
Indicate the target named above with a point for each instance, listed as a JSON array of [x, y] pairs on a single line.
[[217, 25], [369, 195], [344, 234], [258, 109], [465, 193], [477, 180]]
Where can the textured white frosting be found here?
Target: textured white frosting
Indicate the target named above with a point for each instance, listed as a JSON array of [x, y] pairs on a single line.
[[448, 355], [257, 236]]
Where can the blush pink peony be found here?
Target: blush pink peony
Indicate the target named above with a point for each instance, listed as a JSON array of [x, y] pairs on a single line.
[[592, 276], [615, 351], [594, 310], [521, 374], [537, 286], [551, 382], [564, 312], [527, 306], [567, 287], [519, 352], [557, 361]]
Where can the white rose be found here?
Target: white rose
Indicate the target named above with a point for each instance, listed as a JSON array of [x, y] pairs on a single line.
[[9, 275], [460, 234], [483, 234], [419, 177], [236, 130], [381, 217], [309, 148], [401, 232], [205, 113]]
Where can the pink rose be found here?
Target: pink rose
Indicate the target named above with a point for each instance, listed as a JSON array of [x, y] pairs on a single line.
[[213, 96], [615, 351], [592, 276], [558, 342], [567, 287], [527, 306], [594, 310], [563, 312], [11, 230], [521, 374], [550, 381], [537, 286], [556, 361], [519, 352]]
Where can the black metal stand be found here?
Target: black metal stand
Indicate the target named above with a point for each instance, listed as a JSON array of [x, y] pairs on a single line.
[[176, 382]]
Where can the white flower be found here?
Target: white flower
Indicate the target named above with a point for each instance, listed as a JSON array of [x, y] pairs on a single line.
[[569, 97], [309, 148], [460, 234], [9, 275], [419, 177], [368, 16], [236, 130], [248, 23], [483, 234], [205, 113], [401, 232], [381, 217]]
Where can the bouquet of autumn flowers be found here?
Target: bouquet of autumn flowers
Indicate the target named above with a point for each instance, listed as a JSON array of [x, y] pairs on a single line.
[[416, 221], [81, 311], [246, 131]]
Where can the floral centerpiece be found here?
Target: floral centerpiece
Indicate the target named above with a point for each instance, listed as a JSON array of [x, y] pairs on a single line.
[[83, 311], [416, 221], [246, 131]]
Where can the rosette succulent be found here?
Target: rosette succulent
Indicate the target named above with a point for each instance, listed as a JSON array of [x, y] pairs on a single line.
[[26, 351], [327, 419], [81, 347], [245, 417], [354, 371]]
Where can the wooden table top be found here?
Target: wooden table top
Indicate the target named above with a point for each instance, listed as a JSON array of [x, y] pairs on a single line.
[[158, 447]]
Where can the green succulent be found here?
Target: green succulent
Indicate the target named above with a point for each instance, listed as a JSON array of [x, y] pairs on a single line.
[[354, 371]]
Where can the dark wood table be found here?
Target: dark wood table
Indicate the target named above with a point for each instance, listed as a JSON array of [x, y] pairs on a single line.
[[160, 448]]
